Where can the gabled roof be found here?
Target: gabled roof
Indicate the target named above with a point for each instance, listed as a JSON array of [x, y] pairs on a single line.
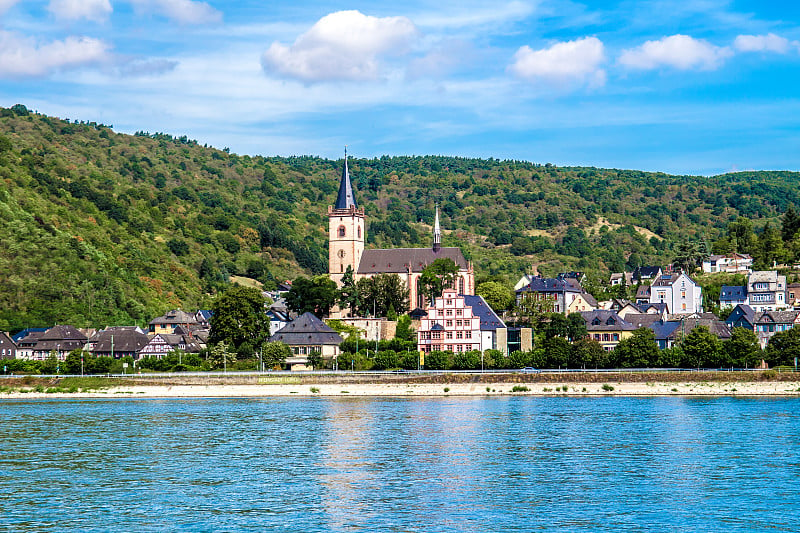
[[62, 333], [119, 339], [34, 332], [606, 320], [643, 320], [489, 319], [646, 272], [399, 260], [665, 280], [176, 316], [305, 330], [777, 317], [742, 311], [665, 330], [656, 308], [540, 284], [763, 276], [732, 293]]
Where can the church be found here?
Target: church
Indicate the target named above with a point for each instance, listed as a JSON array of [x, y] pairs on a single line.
[[347, 233]]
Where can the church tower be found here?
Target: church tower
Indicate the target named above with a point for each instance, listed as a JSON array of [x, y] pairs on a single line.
[[346, 230]]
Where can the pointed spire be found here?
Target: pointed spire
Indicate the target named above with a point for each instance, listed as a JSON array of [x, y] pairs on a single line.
[[346, 198], [437, 232]]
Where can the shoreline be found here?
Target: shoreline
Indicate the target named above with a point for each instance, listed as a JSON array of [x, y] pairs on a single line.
[[409, 390]]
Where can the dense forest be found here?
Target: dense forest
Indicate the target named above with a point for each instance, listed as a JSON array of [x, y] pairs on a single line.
[[100, 228]]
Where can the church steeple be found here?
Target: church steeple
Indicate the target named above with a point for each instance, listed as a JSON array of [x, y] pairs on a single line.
[[437, 233], [346, 198]]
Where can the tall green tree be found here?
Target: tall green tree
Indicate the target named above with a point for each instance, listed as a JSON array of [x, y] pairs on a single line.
[[220, 356], [743, 349], [576, 327], [239, 320], [274, 354], [499, 297], [740, 232], [770, 247], [637, 351], [316, 295], [783, 347], [437, 276], [701, 348], [790, 224], [382, 293], [349, 295]]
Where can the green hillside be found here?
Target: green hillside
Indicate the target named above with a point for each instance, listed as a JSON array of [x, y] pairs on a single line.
[[102, 228]]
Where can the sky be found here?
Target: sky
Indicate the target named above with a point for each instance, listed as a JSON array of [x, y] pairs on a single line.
[[697, 87]]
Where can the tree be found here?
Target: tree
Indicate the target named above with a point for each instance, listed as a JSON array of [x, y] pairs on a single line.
[[437, 276], [742, 348], [576, 327], [316, 295], [587, 353], [701, 347], [688, 254], [73, 364], [790, 224], [770, 247], [219, 356], [637, 351], [380, 293], [239, 320], [783, 347], [274, 354], [741, 235], [499, 297], [558, 351], [349, 295], [315, 360], [555, 325], [404, 331]]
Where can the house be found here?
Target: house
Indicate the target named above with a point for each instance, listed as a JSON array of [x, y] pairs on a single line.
[[642, 294], [769, 323], [730, 263], [678, 291], [766, 290], [554, 294], [646, 274], [732, 295], [461, 323], [742, 316], [279, 315], [793, 295], [171, 320], [679, 325], [621, 278], [8, 348], [60, 339], [117, 342], [582, 302], [304, 335], [162, 344], [26, 340], [203, 318], [347, 236], [607, 327]]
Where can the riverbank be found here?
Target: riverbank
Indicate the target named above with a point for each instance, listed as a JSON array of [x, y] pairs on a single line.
[[390, 386]]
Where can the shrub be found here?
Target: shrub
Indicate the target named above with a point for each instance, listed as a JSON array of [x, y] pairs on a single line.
[[519, 388], [607, 387]]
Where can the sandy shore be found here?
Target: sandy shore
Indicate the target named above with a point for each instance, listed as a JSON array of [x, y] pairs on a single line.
[[770, 388]]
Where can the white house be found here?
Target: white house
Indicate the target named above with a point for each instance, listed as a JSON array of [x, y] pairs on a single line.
[[766, 291], [731, 264], [679, 292]]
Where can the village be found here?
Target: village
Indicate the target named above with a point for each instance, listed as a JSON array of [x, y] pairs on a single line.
[[454, 320]]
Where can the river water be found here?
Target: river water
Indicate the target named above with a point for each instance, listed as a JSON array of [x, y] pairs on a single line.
[[433, 464]]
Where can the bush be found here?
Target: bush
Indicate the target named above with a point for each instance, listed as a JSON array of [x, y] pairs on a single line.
[[607, 387], [519, 388], [439, 360]]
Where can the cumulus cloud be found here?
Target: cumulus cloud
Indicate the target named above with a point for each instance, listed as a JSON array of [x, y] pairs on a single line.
[[762, 43], [96, 10], [183, 11], [344, 45], [22, 57], [677, 51], [566, 63]]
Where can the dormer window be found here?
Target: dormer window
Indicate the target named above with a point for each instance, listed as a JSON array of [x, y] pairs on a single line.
[[611, 321]]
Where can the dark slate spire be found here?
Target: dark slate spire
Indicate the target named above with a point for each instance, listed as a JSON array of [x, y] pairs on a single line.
[[346, 198]]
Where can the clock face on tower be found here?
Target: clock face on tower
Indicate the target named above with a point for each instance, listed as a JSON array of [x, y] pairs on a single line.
[[341, 254]]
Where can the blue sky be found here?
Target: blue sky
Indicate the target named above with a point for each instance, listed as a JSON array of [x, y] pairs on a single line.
[[694, 87]]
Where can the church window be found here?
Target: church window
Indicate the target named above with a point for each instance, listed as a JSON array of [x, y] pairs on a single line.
[[460, 285], [359, 232], [341, 231]]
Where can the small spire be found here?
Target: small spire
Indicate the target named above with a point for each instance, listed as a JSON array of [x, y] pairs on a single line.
[[437, 232], [346, 198]]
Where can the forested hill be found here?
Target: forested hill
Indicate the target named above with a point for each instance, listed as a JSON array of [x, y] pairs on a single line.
[[102, 228]]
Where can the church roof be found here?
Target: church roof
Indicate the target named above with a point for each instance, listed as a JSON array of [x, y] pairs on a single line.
[[398, 260], [346, 198]]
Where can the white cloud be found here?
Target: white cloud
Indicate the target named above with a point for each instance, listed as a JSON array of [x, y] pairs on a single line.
[[566, 63], [677, 51], [147, 67], [96, 10], [5, 5], [21, 56], [341, 46], [762, 43], [183, 11]]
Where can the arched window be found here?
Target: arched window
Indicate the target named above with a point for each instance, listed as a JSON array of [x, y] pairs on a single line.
[[341, 231], [420, 297], [460, 285], [359, 232]]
